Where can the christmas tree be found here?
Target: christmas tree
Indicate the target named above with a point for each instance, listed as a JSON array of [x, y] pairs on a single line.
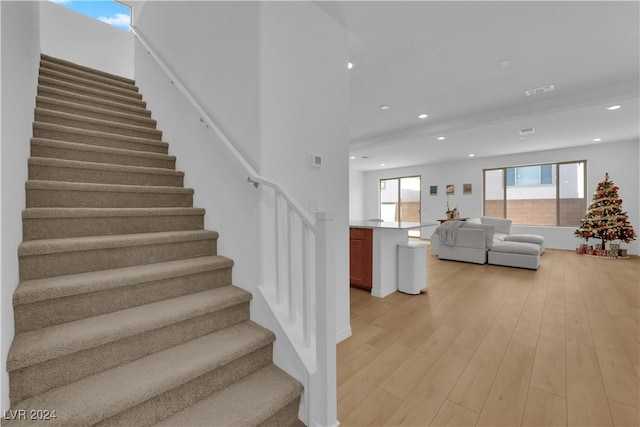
[[605, 218]]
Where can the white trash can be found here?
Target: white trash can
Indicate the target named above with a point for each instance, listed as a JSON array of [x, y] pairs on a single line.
[[412, 267]]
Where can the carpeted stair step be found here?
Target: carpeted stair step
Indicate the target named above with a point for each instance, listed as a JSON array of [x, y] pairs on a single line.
[[93, 112], [150, 389], [55, 223], [99, 125], [82, 195], [91, 137], [57, 355], [135, 101], [268, 397], [124, 90], [74, 171], [61, 62], [59, 257], [51, 301], [49, 148], [91, 101]]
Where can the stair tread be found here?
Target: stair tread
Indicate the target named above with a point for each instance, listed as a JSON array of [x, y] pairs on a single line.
[[107, 135], [76, 117], [99, 149], [110, 212], [52, 72], [70, 64], [77, 164], [30, 291], [86, 243], [138, 110], [127, 99], [249, 401], [55, 341], [110, 392], [104, 111], [83, 186]]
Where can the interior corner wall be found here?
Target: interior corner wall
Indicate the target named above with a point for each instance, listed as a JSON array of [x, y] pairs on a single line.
[[304, 110], [72, 36], [617, 158], [20, 50]]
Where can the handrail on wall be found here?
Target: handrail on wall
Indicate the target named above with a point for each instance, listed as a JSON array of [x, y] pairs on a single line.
[[254, 177]]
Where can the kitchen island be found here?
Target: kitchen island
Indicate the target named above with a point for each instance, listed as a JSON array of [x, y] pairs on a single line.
[[374, 254]]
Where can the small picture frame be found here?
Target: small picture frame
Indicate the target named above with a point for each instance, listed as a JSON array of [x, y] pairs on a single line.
[[466, 188], [433, 190], [451, 189]]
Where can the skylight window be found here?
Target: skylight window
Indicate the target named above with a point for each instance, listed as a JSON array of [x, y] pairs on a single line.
[[107, 11]]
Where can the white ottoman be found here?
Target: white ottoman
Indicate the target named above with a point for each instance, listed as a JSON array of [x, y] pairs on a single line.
[[527, 238], [515, 254]]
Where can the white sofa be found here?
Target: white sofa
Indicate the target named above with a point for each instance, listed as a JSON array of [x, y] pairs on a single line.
[[485, 240]]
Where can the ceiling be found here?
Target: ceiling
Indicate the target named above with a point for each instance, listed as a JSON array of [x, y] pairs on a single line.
[[444, 59]]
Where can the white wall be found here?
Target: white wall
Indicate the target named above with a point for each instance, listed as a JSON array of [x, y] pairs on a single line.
[[304, 109], [619, 159], [213, 47], [304, 102], [356, 195], [19, 74], [273, 76], [69, 35]]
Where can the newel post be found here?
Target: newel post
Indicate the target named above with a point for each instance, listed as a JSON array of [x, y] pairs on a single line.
[[323, 402]]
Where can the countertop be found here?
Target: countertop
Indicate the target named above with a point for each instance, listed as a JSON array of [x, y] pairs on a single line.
[[389, 225]]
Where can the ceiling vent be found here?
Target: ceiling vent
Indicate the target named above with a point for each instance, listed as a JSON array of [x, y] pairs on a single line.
[[528, 131], [543, 89]]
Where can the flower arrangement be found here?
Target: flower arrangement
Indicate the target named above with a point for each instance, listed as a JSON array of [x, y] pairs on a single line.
[[452, 213]]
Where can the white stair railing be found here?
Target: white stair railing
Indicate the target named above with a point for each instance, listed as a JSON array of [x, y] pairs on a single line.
[[301, 285]]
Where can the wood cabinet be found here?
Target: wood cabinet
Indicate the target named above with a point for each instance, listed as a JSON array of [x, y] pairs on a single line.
[[361, 257]]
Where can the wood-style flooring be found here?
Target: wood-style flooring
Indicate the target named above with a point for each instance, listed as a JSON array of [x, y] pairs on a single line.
[[498, 346]]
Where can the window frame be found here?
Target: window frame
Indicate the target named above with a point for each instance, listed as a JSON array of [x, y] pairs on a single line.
[[399, 203], [505, 187]]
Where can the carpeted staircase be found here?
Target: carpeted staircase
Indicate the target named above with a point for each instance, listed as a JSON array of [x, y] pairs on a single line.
[[125, 314]]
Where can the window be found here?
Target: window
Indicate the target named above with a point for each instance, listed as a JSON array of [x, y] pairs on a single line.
[[545, 194], [400, 201], [109, 12], [530, 175]]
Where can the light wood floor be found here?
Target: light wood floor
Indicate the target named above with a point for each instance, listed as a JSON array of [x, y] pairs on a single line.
[[489, 345]]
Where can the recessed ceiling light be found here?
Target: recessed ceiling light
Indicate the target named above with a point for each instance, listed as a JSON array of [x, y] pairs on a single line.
[[613, 107], [440, 138], [423, 116], [352, 157], [381, 164], [349, 65], [522, 137], [597, 139], [384, 107], [472, 155]]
